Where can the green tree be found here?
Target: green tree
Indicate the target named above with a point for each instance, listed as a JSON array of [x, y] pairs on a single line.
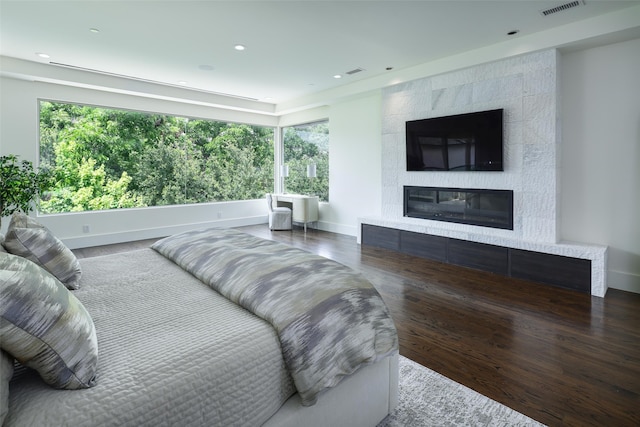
[[107, 158], [89, 189], [255, 140], [239, 176], [171, 173], [305, 145]]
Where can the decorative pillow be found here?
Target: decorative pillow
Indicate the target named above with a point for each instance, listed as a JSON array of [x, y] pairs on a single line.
[[2, 250], [28, 238], [6, 372], [44, 326]]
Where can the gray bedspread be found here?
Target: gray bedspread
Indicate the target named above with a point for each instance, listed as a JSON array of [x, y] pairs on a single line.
[[172, 352], [307, 298]]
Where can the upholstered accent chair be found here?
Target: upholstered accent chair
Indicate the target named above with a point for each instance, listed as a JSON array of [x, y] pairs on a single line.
[[279, 217]]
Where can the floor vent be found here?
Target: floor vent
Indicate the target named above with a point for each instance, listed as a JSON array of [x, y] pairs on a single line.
[[562, 7]]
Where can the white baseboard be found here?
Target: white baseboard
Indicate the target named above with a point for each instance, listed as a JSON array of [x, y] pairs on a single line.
[[333, 227], [623, 281]]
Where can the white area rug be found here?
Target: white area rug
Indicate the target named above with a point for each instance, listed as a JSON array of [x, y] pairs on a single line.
[[427, 398]]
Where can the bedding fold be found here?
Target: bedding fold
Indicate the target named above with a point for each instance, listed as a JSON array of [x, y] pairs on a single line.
[[330, 320]]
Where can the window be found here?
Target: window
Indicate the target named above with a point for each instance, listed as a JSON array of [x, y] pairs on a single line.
[[306, 156], [110, 159]]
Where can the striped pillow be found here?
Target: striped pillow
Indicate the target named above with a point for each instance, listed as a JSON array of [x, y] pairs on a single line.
[[44, 326], [29, 239]]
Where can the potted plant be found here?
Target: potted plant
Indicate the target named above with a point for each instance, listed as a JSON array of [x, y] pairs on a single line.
[[20, 185]]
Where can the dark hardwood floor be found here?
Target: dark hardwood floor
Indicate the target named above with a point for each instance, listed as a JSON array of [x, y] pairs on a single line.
[[561, 357]]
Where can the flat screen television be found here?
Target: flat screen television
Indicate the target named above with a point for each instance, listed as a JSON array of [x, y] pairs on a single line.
[[464, 142]]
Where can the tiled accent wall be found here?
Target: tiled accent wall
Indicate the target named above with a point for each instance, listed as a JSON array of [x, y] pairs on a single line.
[[526, 88]]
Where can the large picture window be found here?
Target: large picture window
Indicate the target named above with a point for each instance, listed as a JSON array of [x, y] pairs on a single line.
[[109, 159], [306, 157]]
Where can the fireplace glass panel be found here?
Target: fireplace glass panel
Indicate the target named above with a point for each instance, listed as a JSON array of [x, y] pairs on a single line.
[[489, 208]]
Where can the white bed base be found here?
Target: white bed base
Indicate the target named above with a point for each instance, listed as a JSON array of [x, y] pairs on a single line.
[[361, 400]]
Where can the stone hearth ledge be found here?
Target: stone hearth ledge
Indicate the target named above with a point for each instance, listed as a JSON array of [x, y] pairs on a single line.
[[597, 254]]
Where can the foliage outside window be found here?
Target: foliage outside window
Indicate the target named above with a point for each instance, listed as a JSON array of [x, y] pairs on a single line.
[[306, 145], [110, 159]]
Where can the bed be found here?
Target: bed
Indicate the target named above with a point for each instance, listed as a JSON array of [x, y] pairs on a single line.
[[215, 327]]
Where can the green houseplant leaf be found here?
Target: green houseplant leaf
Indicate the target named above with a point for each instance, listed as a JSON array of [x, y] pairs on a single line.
[[20, 185]]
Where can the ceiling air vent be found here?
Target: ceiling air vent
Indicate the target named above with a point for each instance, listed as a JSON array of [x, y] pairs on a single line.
[[562, 7], [354, 71]]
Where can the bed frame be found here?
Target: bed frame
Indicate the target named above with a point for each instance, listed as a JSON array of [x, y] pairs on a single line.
[[361, 400]]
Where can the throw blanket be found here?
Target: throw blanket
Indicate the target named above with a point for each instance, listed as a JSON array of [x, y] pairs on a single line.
[[330, 319]]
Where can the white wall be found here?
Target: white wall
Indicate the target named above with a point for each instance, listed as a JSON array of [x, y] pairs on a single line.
[[354, 163], [354, 159], [601, 155]]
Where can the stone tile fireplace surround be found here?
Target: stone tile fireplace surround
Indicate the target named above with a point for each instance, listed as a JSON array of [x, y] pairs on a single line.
[[526, 87]]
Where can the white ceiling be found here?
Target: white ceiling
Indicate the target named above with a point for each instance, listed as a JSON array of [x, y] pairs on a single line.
[[293, 48]]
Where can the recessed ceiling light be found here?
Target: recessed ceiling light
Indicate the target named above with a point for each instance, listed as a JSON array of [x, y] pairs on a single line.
[[337, 76], [42, 55], [513, 32], [94, 30], [182, 82], [239, 47]]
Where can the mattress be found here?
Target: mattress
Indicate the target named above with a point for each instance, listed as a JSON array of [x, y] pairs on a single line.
[[172, 351]]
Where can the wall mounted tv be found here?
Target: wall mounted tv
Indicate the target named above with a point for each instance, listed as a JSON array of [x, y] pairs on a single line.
[[464, 142]]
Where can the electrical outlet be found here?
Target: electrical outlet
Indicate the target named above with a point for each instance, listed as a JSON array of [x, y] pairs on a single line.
[[86, 229]]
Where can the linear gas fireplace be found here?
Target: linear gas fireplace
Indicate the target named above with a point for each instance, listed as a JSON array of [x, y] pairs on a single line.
[[488, 208]]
